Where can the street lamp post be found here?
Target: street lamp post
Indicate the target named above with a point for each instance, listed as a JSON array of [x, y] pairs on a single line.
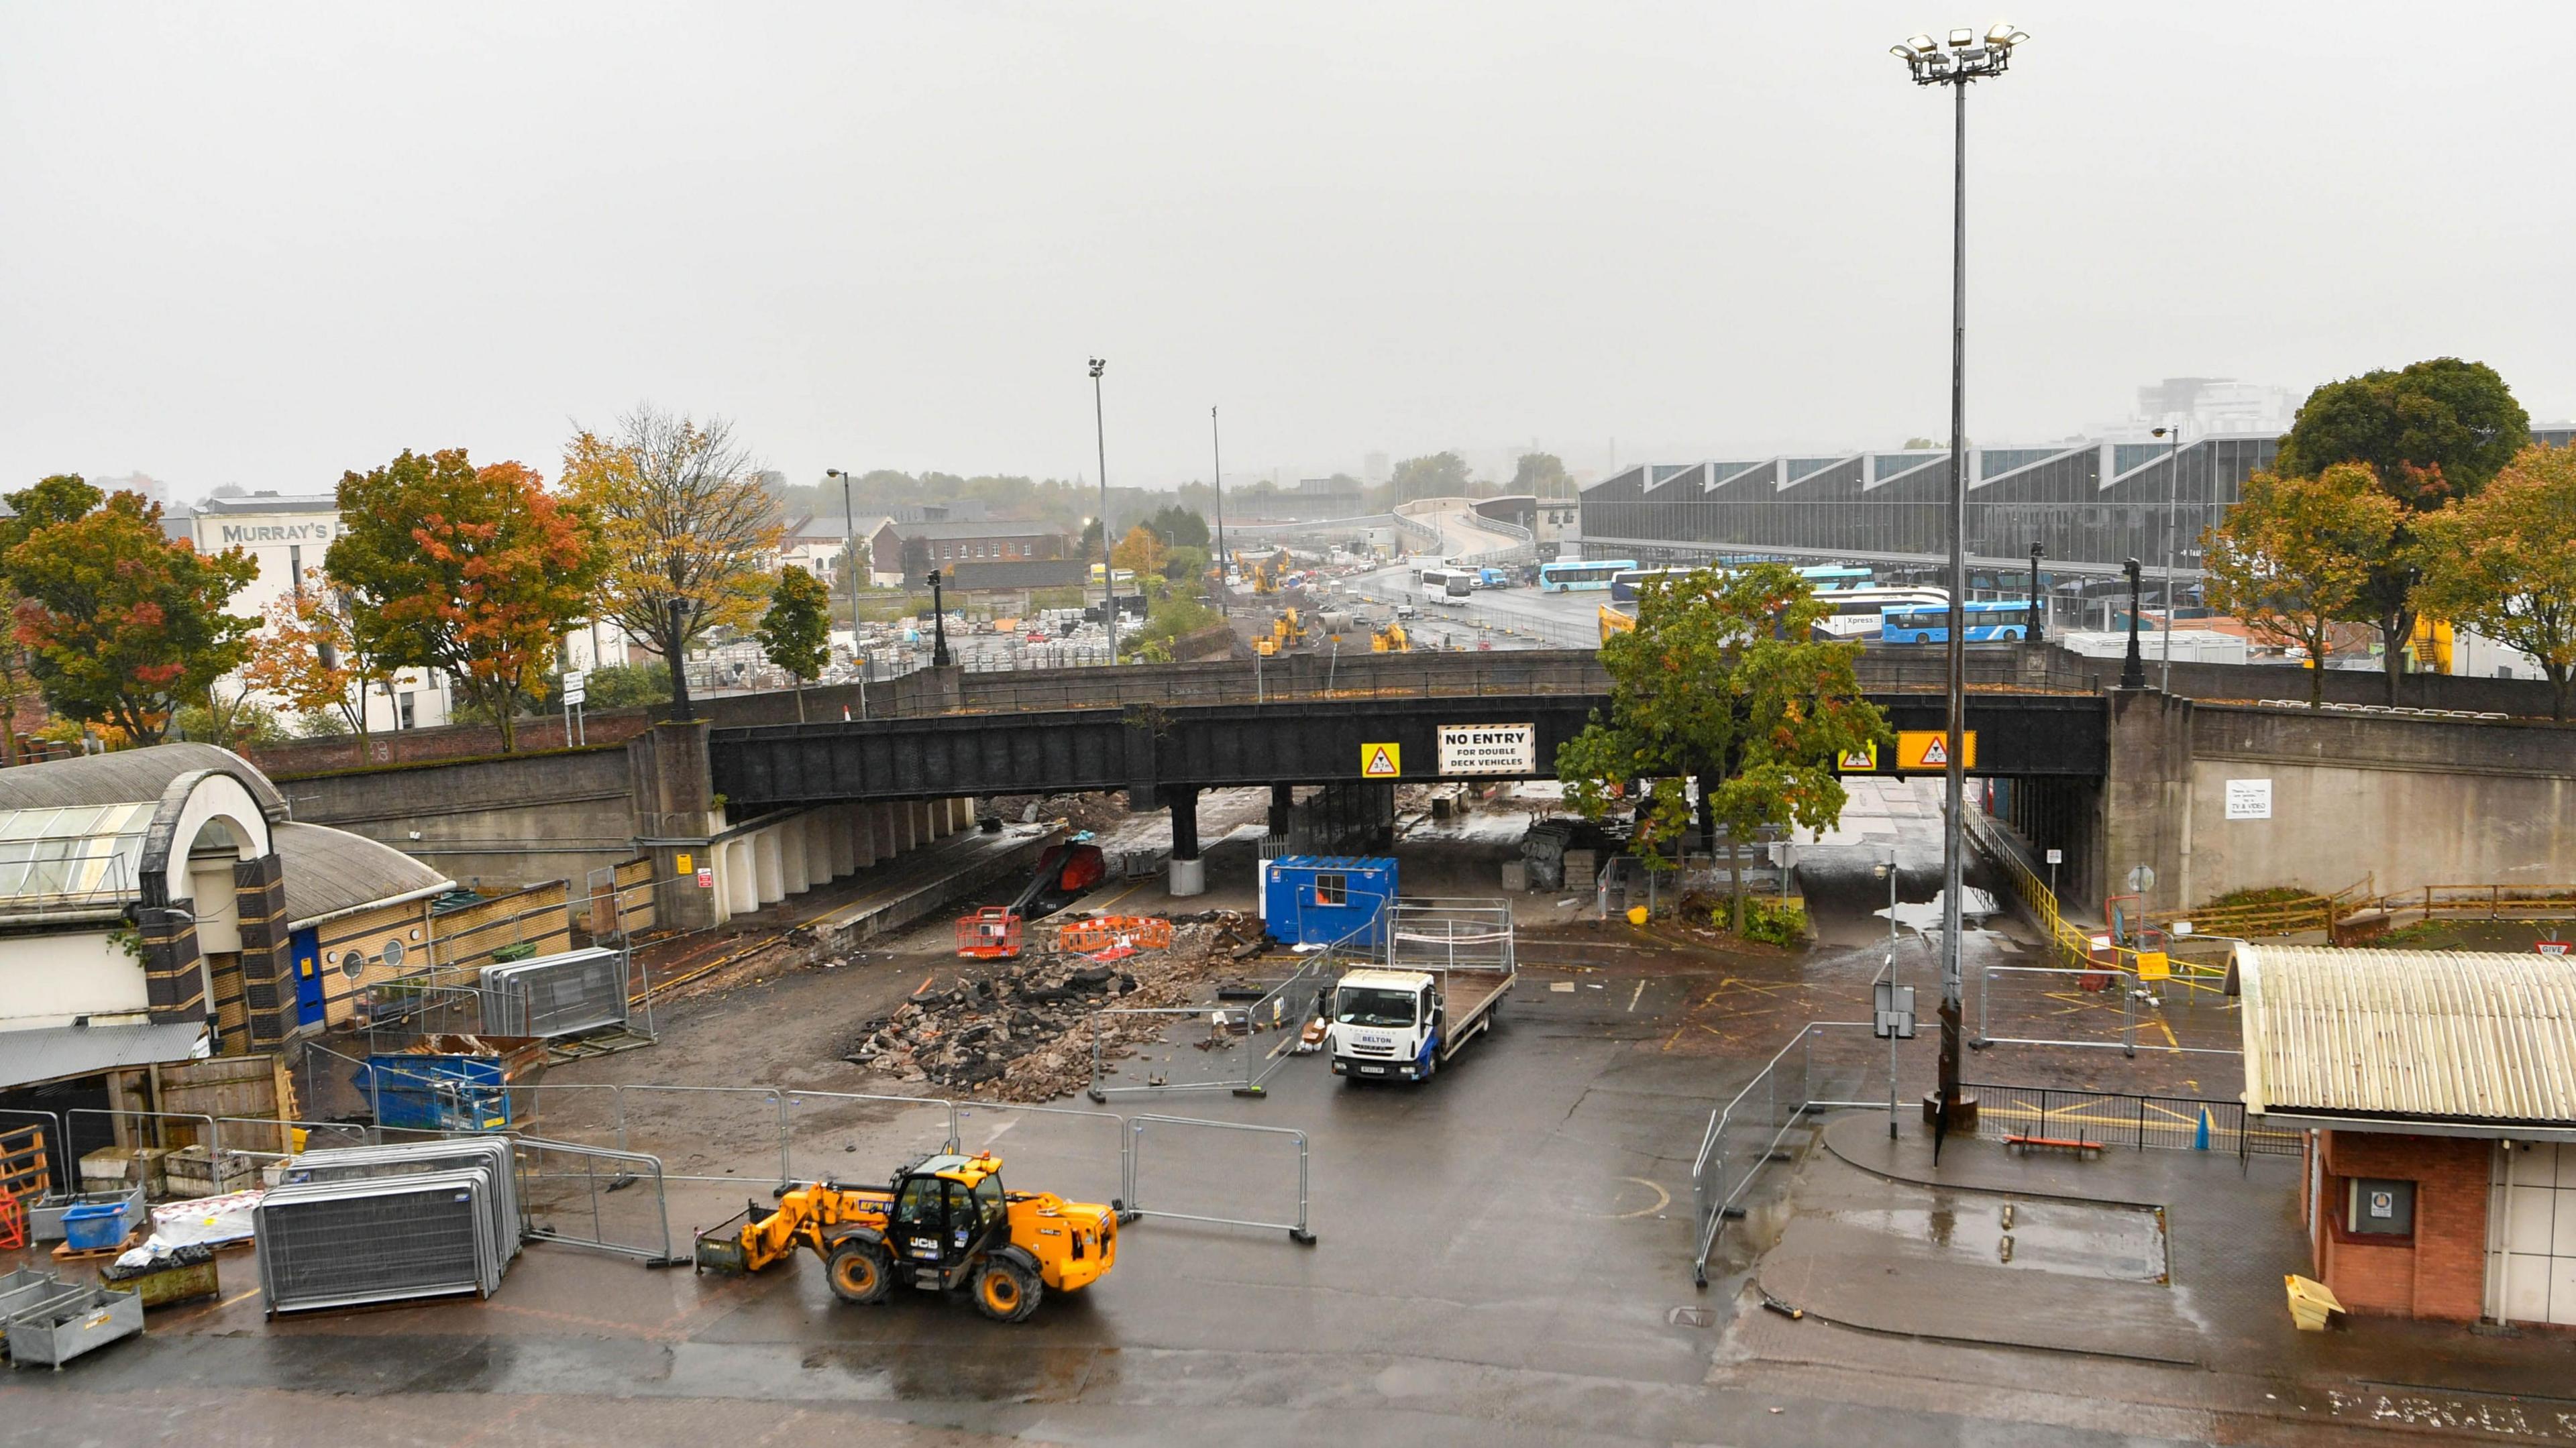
[[2038, 600], [2173, 526], [1966, 59], [1108, 569], [938, 625], [2133, 670], [1216, 446], [850, 547]]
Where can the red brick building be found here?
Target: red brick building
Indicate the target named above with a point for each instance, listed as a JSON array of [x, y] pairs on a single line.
[[2438, 1093]]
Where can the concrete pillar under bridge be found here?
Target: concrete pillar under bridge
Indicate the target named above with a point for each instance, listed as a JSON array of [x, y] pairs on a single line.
[[2143, 807], [675, 815], [1189, 872]]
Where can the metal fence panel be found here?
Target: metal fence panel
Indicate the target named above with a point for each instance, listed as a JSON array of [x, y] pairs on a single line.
[[1236, 1174], [338, 1244]]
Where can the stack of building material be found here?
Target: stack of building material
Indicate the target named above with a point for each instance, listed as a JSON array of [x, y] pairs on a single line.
[[1582, 869], [388, 1223], [556, 995]]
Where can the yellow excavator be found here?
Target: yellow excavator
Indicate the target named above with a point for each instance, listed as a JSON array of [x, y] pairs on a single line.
[[1391, 639], [945, 1223]]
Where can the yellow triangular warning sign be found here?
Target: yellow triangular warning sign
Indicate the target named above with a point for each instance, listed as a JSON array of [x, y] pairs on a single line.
[[1379, 762], [1936, 752]]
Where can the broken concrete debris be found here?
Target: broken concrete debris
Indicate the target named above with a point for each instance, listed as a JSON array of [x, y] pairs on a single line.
[[1023, 1032]]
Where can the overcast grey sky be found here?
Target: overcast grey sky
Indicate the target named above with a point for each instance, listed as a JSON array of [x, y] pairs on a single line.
[[262, 243]]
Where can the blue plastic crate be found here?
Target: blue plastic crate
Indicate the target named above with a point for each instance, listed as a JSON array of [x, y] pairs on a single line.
[[88, 1228]]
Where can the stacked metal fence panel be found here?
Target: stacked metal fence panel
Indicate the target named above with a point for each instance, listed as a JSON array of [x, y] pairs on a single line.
[[411, 1158], [555, 995], [382, 1239]]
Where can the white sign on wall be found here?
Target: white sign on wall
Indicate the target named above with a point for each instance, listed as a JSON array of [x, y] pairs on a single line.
[[1489, 749], [2249, 799]]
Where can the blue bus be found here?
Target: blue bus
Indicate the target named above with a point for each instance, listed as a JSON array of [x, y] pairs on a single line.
[[1587, 576], [1989, 621], [1824, 578]]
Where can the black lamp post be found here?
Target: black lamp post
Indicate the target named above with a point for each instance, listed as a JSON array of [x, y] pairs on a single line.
[[2038, 600], [938, 625], [2133, 671]]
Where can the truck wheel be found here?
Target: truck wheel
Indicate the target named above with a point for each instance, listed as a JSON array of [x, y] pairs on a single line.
[[1005, 1291], [858, 1272]]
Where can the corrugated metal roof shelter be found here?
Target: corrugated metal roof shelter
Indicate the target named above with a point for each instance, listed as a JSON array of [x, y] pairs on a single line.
[[2409, 1038], [329, 873]]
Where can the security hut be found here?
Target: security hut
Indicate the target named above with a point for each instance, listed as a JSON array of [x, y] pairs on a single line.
[[1327, 899], [147, 903], [2437, 1092]]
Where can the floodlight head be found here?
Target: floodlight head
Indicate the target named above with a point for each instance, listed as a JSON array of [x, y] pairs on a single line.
[[1923, 44], [1901, 52], [2005, 34], [1961, 39], [2159, 432], [1098, 366]]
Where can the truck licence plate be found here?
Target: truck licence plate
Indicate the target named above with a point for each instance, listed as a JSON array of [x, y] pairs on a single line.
[[1372, 1070]]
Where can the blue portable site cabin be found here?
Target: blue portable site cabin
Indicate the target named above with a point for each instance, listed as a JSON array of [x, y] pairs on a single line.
[[1327, 899]]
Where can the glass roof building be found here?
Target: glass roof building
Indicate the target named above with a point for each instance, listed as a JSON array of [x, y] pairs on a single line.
[[2091, 504]]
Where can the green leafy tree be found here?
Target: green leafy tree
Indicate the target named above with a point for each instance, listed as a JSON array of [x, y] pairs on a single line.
[[1543, 475], [474, 571], [2504, 563], [1722, 680], [624, 686], [796, 632], [1178, 527], [2295, 556], [1439, 475], [122, 624], [916, 560], [2430, 433]]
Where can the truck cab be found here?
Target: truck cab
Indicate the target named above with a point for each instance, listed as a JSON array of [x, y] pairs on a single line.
[[1385, 1024]]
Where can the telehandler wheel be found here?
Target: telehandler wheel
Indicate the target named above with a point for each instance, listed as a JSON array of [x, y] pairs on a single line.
[[858, 1272], [1005, 1291]]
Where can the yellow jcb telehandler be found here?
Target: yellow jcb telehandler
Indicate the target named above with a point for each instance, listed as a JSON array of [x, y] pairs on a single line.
[[944, 1224]]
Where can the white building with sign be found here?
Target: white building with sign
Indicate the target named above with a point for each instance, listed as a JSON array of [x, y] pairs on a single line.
[[287, 537]]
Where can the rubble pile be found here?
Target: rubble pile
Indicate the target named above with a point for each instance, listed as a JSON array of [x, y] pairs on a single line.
[[1023, 1033]]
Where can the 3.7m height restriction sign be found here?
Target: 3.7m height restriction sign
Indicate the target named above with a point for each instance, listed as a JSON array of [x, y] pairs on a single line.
[[1489, 749]]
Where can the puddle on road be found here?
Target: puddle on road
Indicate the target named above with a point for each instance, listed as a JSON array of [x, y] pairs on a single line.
[[2118, 1244]]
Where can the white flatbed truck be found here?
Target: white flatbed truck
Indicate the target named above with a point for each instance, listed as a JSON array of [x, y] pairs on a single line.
[[1438, 985]]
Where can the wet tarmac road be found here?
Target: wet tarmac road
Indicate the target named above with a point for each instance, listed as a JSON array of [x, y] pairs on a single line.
[[1500, 1259]]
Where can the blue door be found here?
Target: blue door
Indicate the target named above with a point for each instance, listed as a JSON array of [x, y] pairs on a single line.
[[306, 946]]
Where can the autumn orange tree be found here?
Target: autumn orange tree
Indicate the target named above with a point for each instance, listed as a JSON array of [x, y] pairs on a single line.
[[2297, 554], [1140, 553], [473, 571], [122, 624], [310, 658]]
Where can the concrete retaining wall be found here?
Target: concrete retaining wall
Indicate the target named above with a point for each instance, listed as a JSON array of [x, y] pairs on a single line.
[[493, 823], [2403, 802]]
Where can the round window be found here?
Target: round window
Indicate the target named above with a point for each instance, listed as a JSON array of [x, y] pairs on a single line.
[[352, 963], [393, 954]]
